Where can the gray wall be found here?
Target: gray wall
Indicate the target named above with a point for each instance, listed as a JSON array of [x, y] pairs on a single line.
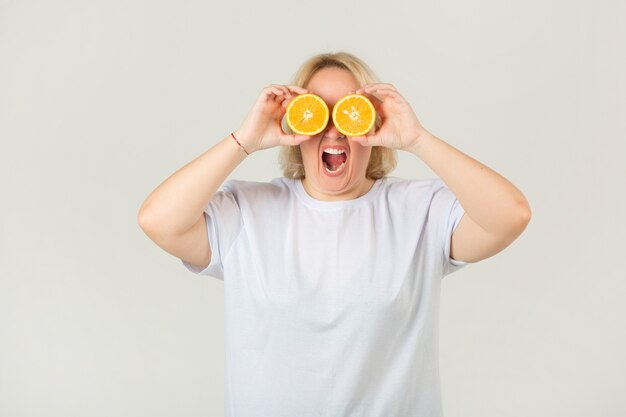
[[100, 101]]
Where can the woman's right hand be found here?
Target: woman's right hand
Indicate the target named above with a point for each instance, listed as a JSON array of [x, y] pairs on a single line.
[[262, 127]]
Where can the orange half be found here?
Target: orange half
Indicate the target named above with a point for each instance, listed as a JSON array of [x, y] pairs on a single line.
[[307, 114], [354, 115]]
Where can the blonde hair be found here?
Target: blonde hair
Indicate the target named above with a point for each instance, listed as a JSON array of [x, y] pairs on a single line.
[[382, 160]]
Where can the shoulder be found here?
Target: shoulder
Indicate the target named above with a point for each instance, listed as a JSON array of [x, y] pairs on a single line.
[[257, 189], [395, 187]]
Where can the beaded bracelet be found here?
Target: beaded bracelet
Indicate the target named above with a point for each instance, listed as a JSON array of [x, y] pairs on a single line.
[[240, 145]]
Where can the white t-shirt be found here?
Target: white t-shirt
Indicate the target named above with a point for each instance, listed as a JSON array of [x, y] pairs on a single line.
[[331, 307]]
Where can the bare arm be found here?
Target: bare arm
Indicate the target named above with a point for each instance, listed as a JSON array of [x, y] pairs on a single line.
[[496, 211], [173, 214], [177, 204]]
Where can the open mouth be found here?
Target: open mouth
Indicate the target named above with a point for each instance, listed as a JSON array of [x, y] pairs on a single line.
[[334, 161]]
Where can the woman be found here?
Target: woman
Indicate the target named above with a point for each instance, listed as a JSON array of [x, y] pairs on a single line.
[[332, 280]]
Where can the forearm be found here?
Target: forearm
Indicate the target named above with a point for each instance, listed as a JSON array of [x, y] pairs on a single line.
[[177, 204], [488, 198]]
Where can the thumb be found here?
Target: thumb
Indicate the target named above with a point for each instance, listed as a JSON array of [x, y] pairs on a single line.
[[362, 140], [292, 139]]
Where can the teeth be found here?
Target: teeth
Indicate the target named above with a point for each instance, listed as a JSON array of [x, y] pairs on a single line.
[[334, 151], [338, 168]]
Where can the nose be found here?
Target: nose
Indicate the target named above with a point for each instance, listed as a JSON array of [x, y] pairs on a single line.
[[331, 131]]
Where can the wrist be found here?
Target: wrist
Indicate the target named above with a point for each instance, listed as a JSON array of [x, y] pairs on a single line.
[[417, 144], [239, 139]]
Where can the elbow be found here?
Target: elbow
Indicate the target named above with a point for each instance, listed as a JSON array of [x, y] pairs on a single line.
[[523, 217], [143, 217], [522, 209]]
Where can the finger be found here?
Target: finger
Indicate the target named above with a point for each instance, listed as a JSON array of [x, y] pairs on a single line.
[[373, 97], [380, 95], [285, 93], [391, 94], [358, 91], [287, 100], [286, 90], [376, 101], [387, 91], [378, 122], [379, 91], [297, 89], [278, 89], [273, 87], [271, 93], [375, 86]]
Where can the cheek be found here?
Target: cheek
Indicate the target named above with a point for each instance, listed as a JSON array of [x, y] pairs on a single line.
[[310, 148], [362, 156], [309, 154]]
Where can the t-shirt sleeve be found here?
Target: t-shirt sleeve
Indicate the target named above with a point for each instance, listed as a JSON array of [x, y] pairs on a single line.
[[223, 221], [448, 212]]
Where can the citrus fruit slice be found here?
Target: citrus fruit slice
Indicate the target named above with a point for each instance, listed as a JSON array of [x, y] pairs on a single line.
[[354, 115], [307, 114]]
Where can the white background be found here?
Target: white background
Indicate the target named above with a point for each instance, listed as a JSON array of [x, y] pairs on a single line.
[[100, 101]]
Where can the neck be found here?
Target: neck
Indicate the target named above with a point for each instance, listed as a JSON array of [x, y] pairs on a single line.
[[362, 188]]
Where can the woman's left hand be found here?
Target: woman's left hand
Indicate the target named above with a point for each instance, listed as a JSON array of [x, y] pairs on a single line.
[[400, 128]]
